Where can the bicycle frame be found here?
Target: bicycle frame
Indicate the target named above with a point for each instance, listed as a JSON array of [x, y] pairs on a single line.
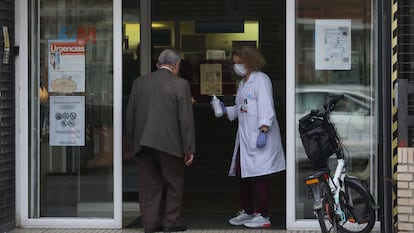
[[338, 185]]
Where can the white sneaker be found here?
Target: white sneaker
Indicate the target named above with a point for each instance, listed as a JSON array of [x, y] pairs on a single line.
[[258, 221], [240, 218]]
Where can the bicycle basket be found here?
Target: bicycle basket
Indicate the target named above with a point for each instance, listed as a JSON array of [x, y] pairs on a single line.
[[318, 137]]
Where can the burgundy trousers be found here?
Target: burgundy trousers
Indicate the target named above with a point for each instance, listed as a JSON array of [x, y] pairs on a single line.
[[251, 187]]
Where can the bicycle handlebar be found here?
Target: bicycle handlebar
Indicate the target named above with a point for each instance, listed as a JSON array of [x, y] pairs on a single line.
[[330, 106]]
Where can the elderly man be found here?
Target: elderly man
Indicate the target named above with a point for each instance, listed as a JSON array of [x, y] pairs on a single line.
[[160, 127]]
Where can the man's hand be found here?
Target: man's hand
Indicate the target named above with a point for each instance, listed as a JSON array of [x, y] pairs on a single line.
[[261, 139], [188, 159]]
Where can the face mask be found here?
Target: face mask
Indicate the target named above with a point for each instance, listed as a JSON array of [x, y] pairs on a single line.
[[239, 69]]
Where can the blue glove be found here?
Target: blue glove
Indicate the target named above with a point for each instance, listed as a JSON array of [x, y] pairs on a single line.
[[261, 140]]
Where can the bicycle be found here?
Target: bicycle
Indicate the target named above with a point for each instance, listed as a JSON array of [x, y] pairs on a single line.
[[340, 202]]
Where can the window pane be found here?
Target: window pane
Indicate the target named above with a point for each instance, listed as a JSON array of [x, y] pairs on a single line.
[[333, 56], [72, 155], [131, 64]]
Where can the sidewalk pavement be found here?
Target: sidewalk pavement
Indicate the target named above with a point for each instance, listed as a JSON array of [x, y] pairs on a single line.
[[140, 230]]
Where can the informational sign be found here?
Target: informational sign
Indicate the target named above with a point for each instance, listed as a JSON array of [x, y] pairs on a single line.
[[333, 44], [211, 79], [67, 120], [66, 69], [6, 45]]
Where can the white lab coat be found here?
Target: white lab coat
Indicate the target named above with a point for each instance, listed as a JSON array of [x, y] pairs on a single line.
[[254, 108]]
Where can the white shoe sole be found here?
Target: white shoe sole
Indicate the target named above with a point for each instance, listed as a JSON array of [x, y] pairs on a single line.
[[238, 223], [251, 225]]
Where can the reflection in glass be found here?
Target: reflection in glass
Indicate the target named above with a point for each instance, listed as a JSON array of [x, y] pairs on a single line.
[[131, 64], [72, 179], [355, 116]]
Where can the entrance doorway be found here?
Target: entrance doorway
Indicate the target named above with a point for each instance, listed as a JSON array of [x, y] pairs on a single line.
[[205, 33]]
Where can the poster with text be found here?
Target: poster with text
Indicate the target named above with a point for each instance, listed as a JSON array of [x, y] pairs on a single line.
[[333, 44], [211, 79], [66, 66], [67, 120]]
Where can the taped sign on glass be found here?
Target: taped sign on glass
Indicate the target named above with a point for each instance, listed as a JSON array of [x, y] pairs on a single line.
[[333, 44], [6, 48]]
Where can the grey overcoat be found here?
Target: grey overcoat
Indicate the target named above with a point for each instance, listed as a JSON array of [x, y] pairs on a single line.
[[160, 114]]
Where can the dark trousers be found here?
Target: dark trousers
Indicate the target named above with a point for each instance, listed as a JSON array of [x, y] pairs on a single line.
[[160, 174], [253, 186]]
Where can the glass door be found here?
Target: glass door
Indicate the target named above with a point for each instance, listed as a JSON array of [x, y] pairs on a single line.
[[333, 54], [73, 167]]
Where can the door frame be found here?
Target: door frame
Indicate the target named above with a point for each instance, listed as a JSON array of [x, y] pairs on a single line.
[[292, 223]]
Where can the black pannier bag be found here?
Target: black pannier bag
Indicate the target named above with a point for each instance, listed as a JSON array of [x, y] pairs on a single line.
[[318, 137]]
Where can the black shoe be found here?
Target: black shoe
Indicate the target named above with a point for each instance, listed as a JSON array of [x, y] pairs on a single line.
[[175, 228], [157, 229]]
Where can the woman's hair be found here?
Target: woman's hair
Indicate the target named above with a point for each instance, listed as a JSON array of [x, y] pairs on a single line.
[[252, 58], [169, 56]]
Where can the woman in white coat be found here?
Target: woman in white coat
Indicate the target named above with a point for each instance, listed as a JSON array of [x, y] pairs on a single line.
[[258, 150]]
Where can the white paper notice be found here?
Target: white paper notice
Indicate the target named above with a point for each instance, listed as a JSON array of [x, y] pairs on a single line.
[[211, 79], [67, 120], [333, 44], [66, 66]]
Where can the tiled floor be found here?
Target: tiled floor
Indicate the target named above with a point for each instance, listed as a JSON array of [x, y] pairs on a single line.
[[211, 226], [132, 230], [140, 230]]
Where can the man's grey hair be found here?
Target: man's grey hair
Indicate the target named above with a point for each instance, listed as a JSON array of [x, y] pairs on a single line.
[[168, 56]]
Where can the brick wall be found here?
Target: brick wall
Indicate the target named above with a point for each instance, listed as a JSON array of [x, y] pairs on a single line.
[[405, 189]]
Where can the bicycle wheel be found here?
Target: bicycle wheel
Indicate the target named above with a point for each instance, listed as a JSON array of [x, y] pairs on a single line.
[[358, 210], [326, 213]]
